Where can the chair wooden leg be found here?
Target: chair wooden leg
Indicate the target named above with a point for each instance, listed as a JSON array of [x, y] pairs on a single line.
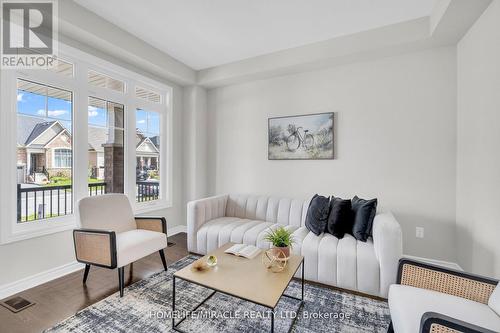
[[162, 255], [86, 273], [121, 279]]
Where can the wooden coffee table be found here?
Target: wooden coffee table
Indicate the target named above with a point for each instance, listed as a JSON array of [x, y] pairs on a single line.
[[243, 278]]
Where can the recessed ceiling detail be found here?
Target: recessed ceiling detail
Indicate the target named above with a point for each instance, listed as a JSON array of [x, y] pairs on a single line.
[[204, 34]]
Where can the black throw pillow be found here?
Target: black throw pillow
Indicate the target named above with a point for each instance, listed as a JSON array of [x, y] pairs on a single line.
[[340, 219], [317, 214], [364, 212]]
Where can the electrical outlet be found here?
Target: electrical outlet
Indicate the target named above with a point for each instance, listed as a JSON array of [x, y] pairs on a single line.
[[419, 232]]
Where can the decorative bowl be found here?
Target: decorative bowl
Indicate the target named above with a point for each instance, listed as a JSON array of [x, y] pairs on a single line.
[[212, 261]]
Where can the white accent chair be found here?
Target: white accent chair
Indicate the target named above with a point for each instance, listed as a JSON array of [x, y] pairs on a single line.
[[112, 237], [429, 298], [368, 267]]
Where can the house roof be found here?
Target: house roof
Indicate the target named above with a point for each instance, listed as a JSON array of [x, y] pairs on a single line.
[[25, 126], [141, 137], [147, 146], [155, 140], [30, 128], [97, 137], [39, 129]]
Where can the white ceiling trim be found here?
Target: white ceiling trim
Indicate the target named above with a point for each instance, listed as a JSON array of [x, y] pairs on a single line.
[[83, 26], [204, 34], [446, 25]]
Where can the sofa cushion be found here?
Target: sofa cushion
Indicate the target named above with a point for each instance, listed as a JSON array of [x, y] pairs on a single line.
[[408, 304], [340, 218], [217, 232], [298, 238], [364, 212], [367, 268], [494, 301], [136, 244], [317, 214], [214, 233], [347, 258]]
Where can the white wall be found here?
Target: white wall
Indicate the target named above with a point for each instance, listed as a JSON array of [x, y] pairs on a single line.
[[395, 140], [195, 142], [478, 172]]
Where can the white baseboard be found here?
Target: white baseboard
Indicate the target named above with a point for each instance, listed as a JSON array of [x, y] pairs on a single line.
[[447, 264], [176, 230], [10, 289]]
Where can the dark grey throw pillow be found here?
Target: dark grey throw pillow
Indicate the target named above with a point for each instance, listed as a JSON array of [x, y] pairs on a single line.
[[364, 212], [317, 214], [340, 219]]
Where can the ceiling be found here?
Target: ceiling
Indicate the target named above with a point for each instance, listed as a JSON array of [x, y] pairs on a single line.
[[209, 33]]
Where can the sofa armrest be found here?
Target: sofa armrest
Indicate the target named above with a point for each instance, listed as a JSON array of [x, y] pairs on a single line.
[[96, 247], [388, 244], [436, 322], [153, 223], [201, 211], [426, 276]]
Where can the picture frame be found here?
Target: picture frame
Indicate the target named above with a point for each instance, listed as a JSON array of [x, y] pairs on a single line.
[[301, 137]]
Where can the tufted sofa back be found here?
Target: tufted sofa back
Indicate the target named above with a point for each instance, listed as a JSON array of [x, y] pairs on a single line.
[[283, 211]]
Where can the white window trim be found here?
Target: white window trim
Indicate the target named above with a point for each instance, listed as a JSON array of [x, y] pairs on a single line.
[[165, 200], [10, 230]]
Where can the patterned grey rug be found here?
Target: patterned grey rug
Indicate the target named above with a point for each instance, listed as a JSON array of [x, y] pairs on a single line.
[[146, 306]]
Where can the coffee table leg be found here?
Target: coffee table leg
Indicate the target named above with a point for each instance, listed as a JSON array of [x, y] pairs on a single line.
[[303, 279], [173, 302], [272, 321], [175, 326]]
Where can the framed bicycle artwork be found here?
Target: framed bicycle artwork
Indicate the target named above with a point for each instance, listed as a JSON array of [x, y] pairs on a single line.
[[303, 137]]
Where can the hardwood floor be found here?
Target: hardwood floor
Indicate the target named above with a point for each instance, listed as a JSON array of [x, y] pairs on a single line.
[[61, 298]]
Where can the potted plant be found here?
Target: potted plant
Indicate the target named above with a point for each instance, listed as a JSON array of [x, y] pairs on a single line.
[[281, 240]]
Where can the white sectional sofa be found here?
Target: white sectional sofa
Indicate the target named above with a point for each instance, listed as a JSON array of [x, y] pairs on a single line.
[[368, 267]]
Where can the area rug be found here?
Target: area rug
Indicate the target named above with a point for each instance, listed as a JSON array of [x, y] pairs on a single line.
[[146, 307]]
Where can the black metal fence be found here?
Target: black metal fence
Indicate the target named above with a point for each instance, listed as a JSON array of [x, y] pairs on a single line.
[[41, 202], [147, 191], [97, 188]]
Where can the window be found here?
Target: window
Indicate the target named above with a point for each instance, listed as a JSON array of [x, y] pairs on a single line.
[[147, 95], [76, 130], [62, 158], [44, 151], [105, 81], [63, 68], [147, 155], [105, 147]]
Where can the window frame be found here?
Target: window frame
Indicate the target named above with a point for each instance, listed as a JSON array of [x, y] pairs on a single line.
[[10, 230], [55, 149], [166, 137]]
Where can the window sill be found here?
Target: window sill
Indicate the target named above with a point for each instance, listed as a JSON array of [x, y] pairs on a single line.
[[146, 207], [35, 229]]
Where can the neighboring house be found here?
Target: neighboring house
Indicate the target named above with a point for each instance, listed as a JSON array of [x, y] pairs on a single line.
[[97, 135], [44, 150], [147, 151]]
